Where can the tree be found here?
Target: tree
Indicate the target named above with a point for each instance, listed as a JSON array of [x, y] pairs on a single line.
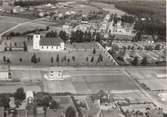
[[94, 51], [158, 47], [5, 48], [92, 59], [4, 58], [15, 44], [47, 28], [4, 101], [54, 105], [115, 48], [52, 59], [19, 94], [43, 99], [144, 61], [38, 59], [20, 59], [124, 51], [10, 47], [45, 104], [98, 37], [63, 35], [135, 61], [8, 61], [51, 34], [34, 58], [68, 60], [149, 47], [87, 59], [65, 58], [100, 58], [73, 58], [57, 59], [121, 58], [70, 112], [17, 103], [25, 46]]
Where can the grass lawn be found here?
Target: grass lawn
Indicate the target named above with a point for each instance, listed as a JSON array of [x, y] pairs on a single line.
[[6, 25], [90, 82], [7, 22], [82, 54], [28, 27]]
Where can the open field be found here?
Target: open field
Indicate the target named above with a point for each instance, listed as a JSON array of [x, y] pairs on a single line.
[[155, 84], [87, 80], [154, 80], [8, 22], [77, 7], [28, 27], [26, 76], [6, 25], [151, 79], [78, 81], [84, 8], [16, 20], [156, 9], [90, 82], [20, 25], [133, 96], [108, 7]]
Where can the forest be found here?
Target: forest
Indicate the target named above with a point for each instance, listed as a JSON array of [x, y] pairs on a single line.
[[154, 9]]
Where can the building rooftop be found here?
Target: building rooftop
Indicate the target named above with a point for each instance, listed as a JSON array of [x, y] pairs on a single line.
[[47, 41]]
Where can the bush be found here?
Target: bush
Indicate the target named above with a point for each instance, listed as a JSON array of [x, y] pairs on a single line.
[[54, 105], [70, 112], [19, 94], [4, 100], [94, 51]]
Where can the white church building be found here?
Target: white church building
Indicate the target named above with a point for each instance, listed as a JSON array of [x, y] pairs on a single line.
[[48, 44]]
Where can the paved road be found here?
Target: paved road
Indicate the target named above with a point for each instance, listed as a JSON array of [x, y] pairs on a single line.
[[61, 68], [152, 99]]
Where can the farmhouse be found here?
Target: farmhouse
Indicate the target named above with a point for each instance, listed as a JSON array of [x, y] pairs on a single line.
[[47, 43]]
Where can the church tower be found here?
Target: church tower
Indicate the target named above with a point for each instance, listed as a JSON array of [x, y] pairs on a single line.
[[36, 40]]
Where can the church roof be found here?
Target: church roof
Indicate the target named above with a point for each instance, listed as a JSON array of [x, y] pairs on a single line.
[[47, 41]]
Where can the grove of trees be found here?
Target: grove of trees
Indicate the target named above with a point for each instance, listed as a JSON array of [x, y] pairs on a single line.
[[70, 112]]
